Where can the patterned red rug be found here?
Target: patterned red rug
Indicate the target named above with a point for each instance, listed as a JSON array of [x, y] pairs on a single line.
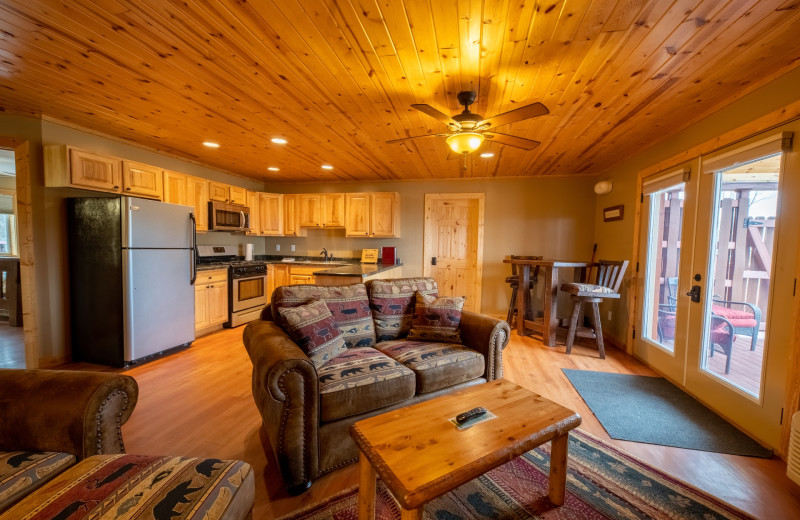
[[602, 482]]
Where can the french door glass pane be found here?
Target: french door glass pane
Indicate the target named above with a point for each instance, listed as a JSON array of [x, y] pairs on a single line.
[[663, 259], [739, 273]]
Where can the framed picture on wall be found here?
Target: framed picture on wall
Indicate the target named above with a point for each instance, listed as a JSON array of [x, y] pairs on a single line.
[[613, 213]]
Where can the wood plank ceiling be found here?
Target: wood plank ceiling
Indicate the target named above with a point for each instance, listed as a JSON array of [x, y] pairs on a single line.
[[336, 77]]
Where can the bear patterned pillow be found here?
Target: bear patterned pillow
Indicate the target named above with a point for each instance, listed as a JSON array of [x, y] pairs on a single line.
[[436, 319], [314, 329]]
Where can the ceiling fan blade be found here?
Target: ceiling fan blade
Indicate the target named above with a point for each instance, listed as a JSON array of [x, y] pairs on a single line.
[[429, 110], [414, 137], [511, 140], [518, 114]]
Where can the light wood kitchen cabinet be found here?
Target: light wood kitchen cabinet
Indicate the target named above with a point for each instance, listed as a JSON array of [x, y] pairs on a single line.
[[277, 275], [65, 166], [221, 192], [373, 215], [197, 197], [270, 214], [255, 220], [210, 298], [321, 210], [291, 214], [142, 180], [175, 187], [302, 274]]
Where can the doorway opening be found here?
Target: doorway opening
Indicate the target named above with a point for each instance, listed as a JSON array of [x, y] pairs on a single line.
[[12, 344]]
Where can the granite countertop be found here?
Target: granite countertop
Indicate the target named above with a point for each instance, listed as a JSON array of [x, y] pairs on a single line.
[[358, 269]]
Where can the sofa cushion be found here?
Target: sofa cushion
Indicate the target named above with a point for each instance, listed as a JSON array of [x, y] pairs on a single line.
[[314, 330], [436, 319], [392, 303], [360, 380], [436, 365], [142, 486], [23, 471], [349, 305]]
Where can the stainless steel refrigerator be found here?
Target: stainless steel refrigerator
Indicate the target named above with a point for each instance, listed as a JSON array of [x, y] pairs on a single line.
[[132, 270]]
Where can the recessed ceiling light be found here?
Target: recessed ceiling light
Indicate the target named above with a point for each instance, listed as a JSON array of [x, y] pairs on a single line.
[[273, 169], [279, 140], [487, 154], [327, 167], [211, 144]]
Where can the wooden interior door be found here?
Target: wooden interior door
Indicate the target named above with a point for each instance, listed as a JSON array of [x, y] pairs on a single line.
[[454, 237]]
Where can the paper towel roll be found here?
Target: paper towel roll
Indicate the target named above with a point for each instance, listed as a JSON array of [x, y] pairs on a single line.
[[248, 252]]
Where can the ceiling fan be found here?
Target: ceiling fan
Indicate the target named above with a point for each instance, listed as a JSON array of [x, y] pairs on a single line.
[[468, 130]]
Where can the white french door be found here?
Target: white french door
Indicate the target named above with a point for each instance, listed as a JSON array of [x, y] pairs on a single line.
[[715, 297]]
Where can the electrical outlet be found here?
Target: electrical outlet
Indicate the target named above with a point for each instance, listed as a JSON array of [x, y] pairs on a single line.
[[277, 247], [292, 248]]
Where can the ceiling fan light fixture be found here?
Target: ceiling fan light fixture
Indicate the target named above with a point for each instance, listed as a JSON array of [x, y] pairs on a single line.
[[465, 142]]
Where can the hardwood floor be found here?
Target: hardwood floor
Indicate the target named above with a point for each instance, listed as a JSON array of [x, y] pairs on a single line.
[[12, 346], [198, 402]]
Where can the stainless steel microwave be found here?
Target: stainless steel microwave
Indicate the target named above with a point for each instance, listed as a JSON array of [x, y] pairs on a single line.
[[228, 217]]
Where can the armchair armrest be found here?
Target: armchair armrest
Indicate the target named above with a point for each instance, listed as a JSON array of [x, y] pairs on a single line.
[[68, 411], [489, 336], [286, 392]]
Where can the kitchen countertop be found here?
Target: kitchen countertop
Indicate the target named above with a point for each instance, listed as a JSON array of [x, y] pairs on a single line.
[[358, 269]]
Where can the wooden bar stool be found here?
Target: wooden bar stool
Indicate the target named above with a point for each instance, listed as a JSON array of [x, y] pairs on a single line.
[[513, 281], [609, 278]]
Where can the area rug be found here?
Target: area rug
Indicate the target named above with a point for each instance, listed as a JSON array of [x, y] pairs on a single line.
[[653, 410], [602, 482]]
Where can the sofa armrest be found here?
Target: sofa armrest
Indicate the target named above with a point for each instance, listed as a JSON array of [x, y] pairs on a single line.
[[489, 336], [286, 392], [68, 411]]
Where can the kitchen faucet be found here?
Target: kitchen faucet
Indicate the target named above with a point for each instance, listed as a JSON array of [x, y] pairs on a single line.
[[325, 252]]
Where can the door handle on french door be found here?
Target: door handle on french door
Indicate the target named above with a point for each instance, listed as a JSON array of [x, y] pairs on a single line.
[[694, 293]]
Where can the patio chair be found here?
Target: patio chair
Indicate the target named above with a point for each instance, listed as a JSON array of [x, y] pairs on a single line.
[[608, 280], [745, 317], [721, 335]]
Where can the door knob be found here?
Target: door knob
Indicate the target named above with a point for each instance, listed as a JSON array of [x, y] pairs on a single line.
[[433, 260], [694, 293]]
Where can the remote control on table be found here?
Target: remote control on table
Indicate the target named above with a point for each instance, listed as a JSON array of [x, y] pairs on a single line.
[[469, 414]]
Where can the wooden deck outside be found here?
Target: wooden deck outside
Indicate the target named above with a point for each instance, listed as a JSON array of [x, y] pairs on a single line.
[[745, 364]]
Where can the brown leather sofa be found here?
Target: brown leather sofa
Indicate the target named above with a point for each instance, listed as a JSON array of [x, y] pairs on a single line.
[[49, 419], [307, 410]]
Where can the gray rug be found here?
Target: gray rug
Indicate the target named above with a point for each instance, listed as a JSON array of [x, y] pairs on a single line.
[[653, 410]]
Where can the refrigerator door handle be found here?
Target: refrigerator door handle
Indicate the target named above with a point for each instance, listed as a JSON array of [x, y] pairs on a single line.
[[193, 255]]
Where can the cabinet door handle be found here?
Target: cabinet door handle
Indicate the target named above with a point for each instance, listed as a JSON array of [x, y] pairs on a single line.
[[128, 189]]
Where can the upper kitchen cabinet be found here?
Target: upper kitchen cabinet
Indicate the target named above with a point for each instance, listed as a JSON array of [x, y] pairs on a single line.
[[321, 210], [175, 187], [255, 218], [197, 196], [180, 188], [222, 192], [270, 211], [374, 215], [65, 166], [291, 217], [142, 180]]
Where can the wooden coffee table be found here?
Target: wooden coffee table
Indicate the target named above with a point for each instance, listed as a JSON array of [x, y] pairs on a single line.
[[421, 455]]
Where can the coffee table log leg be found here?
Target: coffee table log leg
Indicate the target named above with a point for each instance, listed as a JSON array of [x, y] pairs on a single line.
[[411, 514], [558, 469], [366, 490]]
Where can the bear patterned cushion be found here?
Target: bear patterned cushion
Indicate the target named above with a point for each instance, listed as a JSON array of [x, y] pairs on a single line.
[[575, 288], [23, 471], [349, 305], [139, 486], [360, 380], [393, 302], [314, 330], [436, 319], [436, 365]]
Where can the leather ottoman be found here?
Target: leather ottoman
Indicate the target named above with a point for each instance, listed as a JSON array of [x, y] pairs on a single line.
[[117, 487]]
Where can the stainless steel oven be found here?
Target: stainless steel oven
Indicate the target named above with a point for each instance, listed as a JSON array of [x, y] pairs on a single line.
[[248, 293], [228, 217]]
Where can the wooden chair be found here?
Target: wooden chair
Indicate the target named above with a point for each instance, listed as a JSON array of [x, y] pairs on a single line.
[[608, 280], [513, 281]]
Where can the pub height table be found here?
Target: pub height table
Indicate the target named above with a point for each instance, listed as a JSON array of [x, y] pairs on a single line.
[[549, 269]]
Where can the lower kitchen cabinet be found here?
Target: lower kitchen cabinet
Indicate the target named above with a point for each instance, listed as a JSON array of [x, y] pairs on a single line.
[[210, 299], [277, 275]]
